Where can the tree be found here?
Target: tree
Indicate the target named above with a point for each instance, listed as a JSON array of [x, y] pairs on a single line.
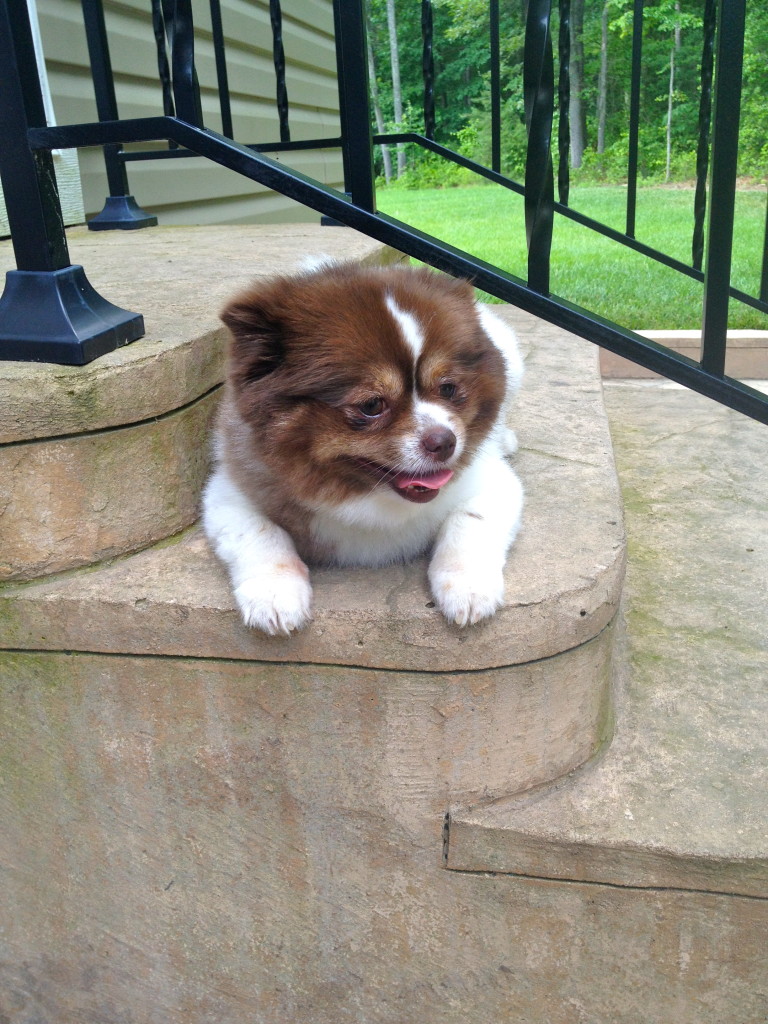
[[576, 107], [380, 126], [671, 93], [601, 71], [602, 81], [397, 91]]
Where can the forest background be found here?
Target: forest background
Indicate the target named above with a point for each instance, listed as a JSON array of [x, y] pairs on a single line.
[[600, 85]]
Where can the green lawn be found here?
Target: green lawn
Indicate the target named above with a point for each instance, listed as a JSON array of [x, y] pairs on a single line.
[[588, 269]]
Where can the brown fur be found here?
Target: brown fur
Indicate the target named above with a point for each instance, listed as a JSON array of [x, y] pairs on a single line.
[[306, 352]]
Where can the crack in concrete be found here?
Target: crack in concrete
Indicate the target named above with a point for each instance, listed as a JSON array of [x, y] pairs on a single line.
[[608, 885]]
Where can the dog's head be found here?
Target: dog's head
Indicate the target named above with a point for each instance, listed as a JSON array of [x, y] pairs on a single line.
[[354, 379]]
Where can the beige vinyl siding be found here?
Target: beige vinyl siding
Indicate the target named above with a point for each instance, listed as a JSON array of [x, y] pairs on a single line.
[[192, 190]]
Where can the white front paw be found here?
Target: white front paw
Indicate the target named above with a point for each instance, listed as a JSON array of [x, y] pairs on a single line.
[[466, 595], [276, 600]]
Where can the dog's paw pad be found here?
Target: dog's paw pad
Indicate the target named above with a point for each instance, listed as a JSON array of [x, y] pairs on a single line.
[[465, 597], [276, 601]]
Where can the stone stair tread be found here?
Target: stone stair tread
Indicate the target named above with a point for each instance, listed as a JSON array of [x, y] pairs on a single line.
[[564, 575], [680, 798], [624, 822]]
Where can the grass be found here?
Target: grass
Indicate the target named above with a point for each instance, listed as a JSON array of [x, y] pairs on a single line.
[[588, 269]]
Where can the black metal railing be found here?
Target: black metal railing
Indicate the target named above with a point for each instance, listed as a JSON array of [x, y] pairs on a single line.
[[81, 324]]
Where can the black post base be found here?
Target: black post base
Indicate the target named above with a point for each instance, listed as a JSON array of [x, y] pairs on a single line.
[[57, 316], [121, 213]]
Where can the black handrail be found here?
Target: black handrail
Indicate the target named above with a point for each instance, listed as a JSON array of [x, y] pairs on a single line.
[[356, 206]]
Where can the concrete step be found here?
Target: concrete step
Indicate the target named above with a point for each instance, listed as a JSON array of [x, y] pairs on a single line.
[[542, 669], [680, 799], [251, 822], [746, 355]]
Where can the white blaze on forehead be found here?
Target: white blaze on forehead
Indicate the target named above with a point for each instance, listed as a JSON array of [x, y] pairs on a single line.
[[409, 327], [427, 414]]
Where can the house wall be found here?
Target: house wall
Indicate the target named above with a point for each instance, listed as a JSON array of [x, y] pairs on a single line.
[[193, 191]]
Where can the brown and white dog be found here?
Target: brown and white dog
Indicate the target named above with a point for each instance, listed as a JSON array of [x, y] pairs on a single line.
[[363, 423]]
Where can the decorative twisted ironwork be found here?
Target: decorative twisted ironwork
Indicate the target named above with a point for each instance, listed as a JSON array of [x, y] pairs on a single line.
[[186, 91], [163, 67], [428, 68], [705, 121], [538, 87], [564, 103], [278, 54], [222, 79]]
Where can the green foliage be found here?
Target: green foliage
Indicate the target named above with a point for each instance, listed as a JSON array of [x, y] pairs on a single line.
[[462, 85]]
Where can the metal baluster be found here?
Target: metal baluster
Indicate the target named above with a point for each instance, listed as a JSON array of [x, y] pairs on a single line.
[[725, 145], [705, 122], [564, 102], [219, 50], [121, 210], [428, 68], [163, 67], [186, 90], [278, 55], [495, 86], [48, 311], [354, 108], [634, 115], [538, 85]]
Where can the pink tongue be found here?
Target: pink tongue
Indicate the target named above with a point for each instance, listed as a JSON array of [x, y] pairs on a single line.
[[432, 481]]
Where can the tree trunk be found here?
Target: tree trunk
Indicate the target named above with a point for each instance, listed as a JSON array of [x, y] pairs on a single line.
[[602, 81], [575, 106], [397, 92], [380, 127], [670, 98]]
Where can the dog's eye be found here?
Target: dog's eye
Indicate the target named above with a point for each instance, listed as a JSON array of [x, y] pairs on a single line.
[[447, 390], [372, 407]]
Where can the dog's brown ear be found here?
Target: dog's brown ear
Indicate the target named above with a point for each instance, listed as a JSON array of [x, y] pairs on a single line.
[[258, 335]]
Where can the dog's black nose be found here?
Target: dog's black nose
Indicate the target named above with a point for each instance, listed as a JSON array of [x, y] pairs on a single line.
[[440, 442]]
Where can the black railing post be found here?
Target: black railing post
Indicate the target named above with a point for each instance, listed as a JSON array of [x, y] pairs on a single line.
[[163, 67], [764, 267], [725, 145], [538, 86], [29, 180], [634, 116], [222, 78], [705, 121], [121, 210], [48, 311], [354, 106], [564, 103], [186, 89], [278, 58]]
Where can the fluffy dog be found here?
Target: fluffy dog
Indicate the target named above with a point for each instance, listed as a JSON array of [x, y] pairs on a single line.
[[363, 423]]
